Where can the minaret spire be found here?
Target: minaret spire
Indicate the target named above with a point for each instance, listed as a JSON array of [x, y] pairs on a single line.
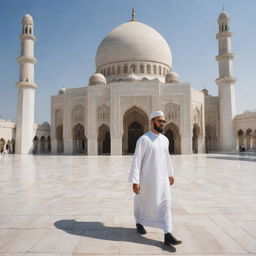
[[26, 87], [226, 85], [133, 15]]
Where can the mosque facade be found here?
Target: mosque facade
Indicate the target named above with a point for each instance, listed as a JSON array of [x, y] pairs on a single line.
[[133, 77]]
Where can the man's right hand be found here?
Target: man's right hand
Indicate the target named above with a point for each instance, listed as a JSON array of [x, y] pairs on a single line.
[[136, 188]]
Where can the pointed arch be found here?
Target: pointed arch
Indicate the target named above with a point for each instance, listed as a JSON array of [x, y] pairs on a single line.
[[59, 138], [171, 131], [104, 140], [48, 144], [35, 145], [79, 140], [196, 133], [2, 145], [249, 135], [210, 139], [135, 124], [42, 145]]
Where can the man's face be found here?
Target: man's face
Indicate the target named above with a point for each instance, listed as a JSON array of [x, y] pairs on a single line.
[[159, 123]]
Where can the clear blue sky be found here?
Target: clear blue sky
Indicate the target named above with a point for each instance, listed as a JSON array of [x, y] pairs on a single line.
[[69, 31]]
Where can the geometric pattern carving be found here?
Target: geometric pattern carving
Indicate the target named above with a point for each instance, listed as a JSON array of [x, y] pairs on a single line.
[[58, 117], [77, 115], [103, 114], [172, 113]]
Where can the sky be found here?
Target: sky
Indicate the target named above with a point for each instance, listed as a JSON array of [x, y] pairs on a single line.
[[68, 33]]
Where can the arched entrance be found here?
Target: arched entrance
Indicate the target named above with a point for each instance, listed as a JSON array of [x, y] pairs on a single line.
[[49, 144], [135, 124], [104, 140], [59, 138], [171, 131], [135, 130], [2, 145], [42, 145], [35, 145], [249, 139], [254, 140], [210, 139], [196, 132], [79, 140], [240, 137]]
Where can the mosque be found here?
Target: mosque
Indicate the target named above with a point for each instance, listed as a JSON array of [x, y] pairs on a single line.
[[133, 77]]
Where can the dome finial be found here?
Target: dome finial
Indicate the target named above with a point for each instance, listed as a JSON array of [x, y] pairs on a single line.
[[133, 15]]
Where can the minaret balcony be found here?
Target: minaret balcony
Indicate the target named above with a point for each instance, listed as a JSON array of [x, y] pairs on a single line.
[[24, 85], [225, 80], [27, 36], [25, 59], [224, 34], [225, 55]]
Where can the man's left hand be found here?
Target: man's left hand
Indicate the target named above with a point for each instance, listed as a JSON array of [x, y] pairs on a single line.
[[171, 180]]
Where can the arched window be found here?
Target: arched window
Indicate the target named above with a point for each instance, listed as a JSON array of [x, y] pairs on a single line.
[[113, 70], [160, 70], [30, 30], [148, 69], [164, 71], [133, 68], [142, 70], [26, 30], [108, 71], [125, 68], [154, 69], [118, 69]]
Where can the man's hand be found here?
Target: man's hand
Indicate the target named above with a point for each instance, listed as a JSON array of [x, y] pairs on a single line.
[[136, 188], [171, 180]]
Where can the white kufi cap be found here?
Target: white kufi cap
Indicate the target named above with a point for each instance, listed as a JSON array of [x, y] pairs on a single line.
[[156, 114]]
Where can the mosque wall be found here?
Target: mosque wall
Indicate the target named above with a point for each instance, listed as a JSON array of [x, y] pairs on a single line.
[[211, 123], [198, 121], [245, 127]]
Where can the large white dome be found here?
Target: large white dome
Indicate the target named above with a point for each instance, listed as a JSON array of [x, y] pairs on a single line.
[[133, 41]]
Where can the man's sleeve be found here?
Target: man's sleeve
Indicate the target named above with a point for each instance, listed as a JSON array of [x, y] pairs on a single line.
[[139, 153], [169, 162]]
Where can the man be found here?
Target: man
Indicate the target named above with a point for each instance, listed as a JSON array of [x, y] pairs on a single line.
[[152, 174]]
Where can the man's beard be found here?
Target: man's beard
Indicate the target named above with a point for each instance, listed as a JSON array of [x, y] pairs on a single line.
[[158, 129]]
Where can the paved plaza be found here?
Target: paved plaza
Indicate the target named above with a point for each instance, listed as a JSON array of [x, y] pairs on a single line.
[[83, 205]]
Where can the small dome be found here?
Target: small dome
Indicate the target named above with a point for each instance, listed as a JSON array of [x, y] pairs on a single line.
[[206, 92], [62, 91], [223, 16], [172, 77], [46, 124], [27, 19], [96, 79]]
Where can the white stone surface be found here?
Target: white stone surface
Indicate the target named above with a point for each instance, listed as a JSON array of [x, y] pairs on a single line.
[[83, 205]]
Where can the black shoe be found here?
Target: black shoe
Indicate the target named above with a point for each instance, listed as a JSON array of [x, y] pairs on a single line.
[[141, 229], [170, 239]]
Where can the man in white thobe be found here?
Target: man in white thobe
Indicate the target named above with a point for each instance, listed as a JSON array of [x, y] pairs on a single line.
[[151, 175]]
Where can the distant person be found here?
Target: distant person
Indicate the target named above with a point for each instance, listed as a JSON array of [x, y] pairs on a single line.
[[152, 174]]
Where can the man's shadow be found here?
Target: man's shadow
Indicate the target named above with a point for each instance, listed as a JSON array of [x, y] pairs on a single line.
[[98, 231]]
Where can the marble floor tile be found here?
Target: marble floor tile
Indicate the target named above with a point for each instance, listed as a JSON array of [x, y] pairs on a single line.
[[83, 205]]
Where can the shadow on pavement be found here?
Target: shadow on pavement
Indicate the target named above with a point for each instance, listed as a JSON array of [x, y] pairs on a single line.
[[240, 158], [98, 231]]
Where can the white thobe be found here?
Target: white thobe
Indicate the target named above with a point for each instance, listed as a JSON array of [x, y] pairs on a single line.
[[151, 168]]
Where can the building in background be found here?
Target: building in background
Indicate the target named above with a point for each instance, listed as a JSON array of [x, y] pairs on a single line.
[[133, 77]]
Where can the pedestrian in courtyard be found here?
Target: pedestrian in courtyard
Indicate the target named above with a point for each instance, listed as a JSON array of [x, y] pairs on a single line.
[[152, 175]]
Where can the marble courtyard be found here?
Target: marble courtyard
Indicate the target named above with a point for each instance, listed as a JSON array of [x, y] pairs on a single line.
[[83, 205]]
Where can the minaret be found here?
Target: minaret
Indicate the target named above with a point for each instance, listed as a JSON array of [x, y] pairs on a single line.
[[226, 85], [26, 87]]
